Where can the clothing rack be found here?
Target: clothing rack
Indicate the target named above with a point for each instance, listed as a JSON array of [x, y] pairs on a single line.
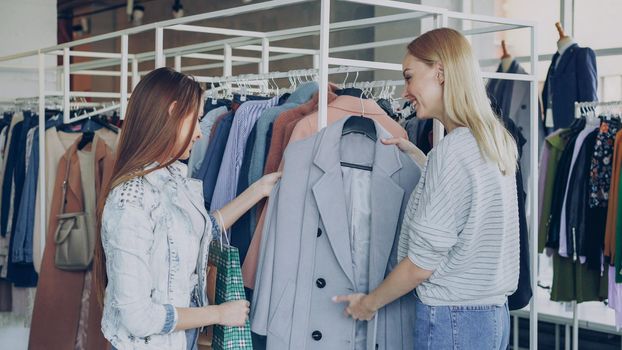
[[263, 42], [110, 108], [309, 74], [581, 106], [278, 75]]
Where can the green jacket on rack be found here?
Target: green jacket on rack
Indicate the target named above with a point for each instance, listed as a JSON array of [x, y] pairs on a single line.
[[555, 145]]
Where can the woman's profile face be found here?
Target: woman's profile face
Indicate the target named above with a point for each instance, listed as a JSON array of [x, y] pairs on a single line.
[[423, 87], [186, 128]]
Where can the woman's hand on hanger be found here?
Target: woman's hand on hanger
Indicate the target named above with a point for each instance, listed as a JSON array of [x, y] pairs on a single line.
[[265, 185], [409, 148]]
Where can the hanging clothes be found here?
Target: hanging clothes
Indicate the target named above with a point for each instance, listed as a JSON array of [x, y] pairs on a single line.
[[6, 287], [572, 77], [200, 147], [213, 159], [254, 161], [561, 179], [567, 235], [7, 183], [618, 235], [600, 171], [22, 235], [339, 108], [240, 231], [521, 297], [284, 126], [612, 207], [615, 296], [307, 251], [21, 275], [303, 94], [513, 100], [553, 147], [577, 240], [281, 133], [573, 281], [56, 145], [246, 116], [58, 303], [5, 196], [344, 106]]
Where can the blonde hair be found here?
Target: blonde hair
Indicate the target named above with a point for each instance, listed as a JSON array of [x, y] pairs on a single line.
[[465, 99]]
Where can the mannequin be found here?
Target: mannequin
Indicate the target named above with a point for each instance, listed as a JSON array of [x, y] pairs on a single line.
[[506, 59], [564, 41]]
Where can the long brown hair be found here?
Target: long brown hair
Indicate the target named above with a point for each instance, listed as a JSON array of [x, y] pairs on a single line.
[[149, 135]]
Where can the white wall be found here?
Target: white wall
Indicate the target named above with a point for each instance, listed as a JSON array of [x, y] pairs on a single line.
[[25, 25]]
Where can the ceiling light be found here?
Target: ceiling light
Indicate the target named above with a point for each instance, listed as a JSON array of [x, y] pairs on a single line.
[[85, 22], [178, 9], [81, 28], [137, 15]]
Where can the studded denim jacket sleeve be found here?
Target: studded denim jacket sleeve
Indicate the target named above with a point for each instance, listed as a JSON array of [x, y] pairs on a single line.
[[128, 238]]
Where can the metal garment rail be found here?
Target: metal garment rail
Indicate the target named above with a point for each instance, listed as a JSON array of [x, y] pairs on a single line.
[[595, 104], [256, 40]]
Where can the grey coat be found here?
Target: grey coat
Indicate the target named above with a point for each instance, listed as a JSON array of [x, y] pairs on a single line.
[[514, 102], [306, 251]]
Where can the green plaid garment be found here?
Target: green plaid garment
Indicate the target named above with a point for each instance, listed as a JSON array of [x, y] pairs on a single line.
[[229, 287]]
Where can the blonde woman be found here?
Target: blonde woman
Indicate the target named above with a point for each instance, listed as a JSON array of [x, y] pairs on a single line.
[[459, 242]]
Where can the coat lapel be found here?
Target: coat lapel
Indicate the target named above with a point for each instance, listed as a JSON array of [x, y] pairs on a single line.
[[331, 203], [330, 197]]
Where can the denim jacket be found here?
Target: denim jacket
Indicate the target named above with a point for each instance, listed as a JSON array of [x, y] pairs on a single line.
[[156, 234]]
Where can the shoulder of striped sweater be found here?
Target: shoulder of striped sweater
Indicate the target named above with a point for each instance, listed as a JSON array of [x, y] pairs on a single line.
[[449, 150], [458, 139]]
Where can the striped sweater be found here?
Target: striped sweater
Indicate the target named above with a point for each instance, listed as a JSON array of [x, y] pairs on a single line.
[[462, 223]]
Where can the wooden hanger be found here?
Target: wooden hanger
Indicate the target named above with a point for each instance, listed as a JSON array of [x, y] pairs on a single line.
[[506, 54], [560, 30]]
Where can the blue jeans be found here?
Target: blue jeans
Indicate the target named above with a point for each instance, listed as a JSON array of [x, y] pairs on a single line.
[[480, 327]]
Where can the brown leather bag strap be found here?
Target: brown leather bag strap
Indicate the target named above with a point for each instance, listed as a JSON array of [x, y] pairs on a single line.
[[64, 186]]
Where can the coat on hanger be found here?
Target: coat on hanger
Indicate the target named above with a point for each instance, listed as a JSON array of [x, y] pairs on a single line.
[[306, 254]]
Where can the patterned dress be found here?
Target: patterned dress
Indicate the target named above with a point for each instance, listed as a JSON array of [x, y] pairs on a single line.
[[601, 168]]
